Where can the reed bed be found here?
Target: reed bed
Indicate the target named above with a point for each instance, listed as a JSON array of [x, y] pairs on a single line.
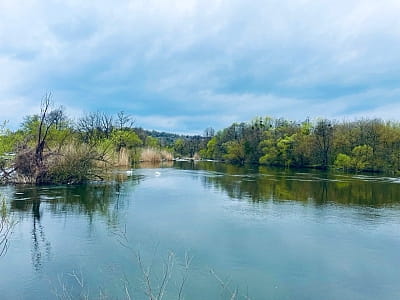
[[155, 155]]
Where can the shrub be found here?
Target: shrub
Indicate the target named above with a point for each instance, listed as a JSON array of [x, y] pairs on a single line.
[[76, 163], [343, 162], [361, 157]]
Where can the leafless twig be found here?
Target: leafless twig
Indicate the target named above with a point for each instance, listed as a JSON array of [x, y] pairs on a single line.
[[225, 287]]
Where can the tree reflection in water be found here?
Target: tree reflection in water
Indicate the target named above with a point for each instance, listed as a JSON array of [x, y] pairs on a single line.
[[97, 199], [253, 183], [260, 184]]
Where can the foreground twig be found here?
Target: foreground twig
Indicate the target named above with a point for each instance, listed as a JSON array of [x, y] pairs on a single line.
[[6, 226], [234, 294]]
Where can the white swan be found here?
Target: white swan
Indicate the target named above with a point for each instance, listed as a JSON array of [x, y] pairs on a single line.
[[157, 174]]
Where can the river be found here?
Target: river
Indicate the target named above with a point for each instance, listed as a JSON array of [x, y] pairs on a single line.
[[221, 230]]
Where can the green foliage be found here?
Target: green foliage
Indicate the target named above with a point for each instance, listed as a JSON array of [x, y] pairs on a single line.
[[211, 151], [179, 146], [125, 139], [59, 132], [65, 154], [343, 162], [235, 152], [30, 125], [270, 151], [152, 142], [9, 141], [285, 147], [361, 157], [190, 146], [359, 160], [364, 145], [323, 137]]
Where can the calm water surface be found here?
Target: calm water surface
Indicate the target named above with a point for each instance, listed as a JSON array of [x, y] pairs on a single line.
[[262, 233]]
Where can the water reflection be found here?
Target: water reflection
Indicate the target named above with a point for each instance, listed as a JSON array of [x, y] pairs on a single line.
[[98, 199], [259, 184], [89, 200], [255, 184], [313, 225]]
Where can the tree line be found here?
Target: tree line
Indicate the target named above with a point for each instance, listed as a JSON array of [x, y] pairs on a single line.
[[360, 145], [50, 147]]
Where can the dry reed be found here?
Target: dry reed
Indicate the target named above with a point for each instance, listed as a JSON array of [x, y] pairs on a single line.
[[155, 155], [124, 159]]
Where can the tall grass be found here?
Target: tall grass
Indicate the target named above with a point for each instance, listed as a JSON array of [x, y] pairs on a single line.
[[155, 155], [124, 158], [166, 155]]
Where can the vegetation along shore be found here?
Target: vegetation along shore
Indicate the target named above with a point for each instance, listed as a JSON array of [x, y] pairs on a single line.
[[51, 148]]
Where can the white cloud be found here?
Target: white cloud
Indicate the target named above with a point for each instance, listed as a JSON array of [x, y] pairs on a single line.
[[230, 59], [15, 108]]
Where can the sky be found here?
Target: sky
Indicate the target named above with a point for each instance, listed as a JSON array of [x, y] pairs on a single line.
[[185, 65]]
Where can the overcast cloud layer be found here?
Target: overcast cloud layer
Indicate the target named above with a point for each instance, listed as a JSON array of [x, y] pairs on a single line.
[[185, 65]]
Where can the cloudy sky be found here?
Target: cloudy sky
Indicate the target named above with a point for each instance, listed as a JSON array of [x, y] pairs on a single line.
[[184, 65]]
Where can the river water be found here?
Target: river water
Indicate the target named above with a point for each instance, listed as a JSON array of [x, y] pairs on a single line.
[[225, 232]]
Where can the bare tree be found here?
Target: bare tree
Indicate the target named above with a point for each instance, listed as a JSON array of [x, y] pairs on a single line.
[[31, 162], [47, 119], [124, 121], [209, 132], [95, 125]]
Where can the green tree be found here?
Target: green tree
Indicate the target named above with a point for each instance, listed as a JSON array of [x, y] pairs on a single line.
[[179, 146], [323, 133], [235, 152], [9, 140], [152, 142], [361, 157], [343, 162], [285, 149], [125, 139]]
